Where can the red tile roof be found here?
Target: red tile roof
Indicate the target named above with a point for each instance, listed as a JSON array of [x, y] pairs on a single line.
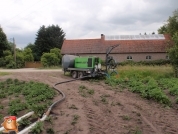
[[86, 46]]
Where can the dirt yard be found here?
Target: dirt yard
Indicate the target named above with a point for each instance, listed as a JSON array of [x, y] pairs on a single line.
[[107, 111]]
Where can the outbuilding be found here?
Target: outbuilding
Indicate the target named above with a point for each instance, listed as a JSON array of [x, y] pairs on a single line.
[[131, 47]]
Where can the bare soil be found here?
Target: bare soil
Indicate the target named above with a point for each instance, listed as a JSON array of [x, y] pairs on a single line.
[[107, 111]]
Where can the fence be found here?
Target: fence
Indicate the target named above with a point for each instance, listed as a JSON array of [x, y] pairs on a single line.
[[33, 64]]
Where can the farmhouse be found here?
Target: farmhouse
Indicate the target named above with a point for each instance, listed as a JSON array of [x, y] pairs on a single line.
[[131, 47]]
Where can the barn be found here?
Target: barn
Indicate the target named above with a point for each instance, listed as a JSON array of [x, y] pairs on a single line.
[[131, 47]]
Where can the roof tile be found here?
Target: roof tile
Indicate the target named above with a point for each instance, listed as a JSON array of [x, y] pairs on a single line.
[[125, 46]]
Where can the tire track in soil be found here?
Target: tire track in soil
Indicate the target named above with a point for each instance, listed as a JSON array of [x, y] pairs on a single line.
[[100, 122], [158, 122], [96, 122]]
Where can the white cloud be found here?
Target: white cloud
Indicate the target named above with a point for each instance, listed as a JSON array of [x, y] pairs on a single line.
[[83, 18]]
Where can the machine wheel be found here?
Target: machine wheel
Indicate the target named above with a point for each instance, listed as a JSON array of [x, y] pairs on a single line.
[[80, 74], [74, 74]]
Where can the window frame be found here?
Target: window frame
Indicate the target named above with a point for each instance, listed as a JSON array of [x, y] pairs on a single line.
[[167, 57], [148, 57], [129, 57]]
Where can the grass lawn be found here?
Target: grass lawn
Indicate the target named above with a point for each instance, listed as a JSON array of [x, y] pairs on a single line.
[[156, 72], [4, 73]]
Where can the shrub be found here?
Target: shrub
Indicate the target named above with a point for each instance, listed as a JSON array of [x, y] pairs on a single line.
[[49, 59], [146, 63], [28, 55], [174, 90]]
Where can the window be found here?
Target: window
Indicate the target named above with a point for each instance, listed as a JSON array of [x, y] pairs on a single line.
[[167, 57], [129, 57], [148, 57]]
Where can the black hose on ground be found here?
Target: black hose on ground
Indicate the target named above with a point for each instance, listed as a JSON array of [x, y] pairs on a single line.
[[60, 92]]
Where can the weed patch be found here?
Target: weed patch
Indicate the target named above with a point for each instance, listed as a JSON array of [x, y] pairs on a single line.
[[75, 119], [85, 92], [126, 117], [104, 100], [38, 128], [73, 107]]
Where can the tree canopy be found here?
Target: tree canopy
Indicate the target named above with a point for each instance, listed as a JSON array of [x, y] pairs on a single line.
[[28, 56], [48, 38], [3, 42], [171, 25], [173, 54]]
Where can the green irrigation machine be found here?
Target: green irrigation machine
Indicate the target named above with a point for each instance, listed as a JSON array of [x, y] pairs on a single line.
[[90, 66]]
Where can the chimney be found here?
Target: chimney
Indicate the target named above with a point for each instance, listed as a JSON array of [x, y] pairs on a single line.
[[102, 37], [167, 36]]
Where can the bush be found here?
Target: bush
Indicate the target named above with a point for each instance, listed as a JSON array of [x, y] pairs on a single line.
[[146, 63], [11, 65], [49, 59], [2, 62], [28, 56], [20, 60], [57, 52]]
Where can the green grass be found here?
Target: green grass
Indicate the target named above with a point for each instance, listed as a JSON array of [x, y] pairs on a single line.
[[151, 82], [4, 73], [156, 72]]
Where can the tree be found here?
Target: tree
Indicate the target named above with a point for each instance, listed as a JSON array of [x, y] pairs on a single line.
[[171, 26], [48, 38], [20, 62], [34, 51], [3, 42], [28, 56], [3, 60], [173, 54], [8, 59]]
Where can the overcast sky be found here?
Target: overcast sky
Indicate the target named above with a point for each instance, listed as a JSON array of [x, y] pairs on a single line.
[[81, 19]]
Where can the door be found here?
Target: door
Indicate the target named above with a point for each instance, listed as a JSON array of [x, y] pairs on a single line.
[[89, 62]]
